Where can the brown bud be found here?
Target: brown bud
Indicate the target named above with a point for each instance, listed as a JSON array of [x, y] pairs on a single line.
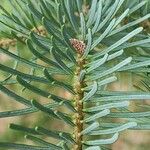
[[78, 45]]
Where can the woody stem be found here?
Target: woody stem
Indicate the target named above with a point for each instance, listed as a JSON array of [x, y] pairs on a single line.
[[78, 104]]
